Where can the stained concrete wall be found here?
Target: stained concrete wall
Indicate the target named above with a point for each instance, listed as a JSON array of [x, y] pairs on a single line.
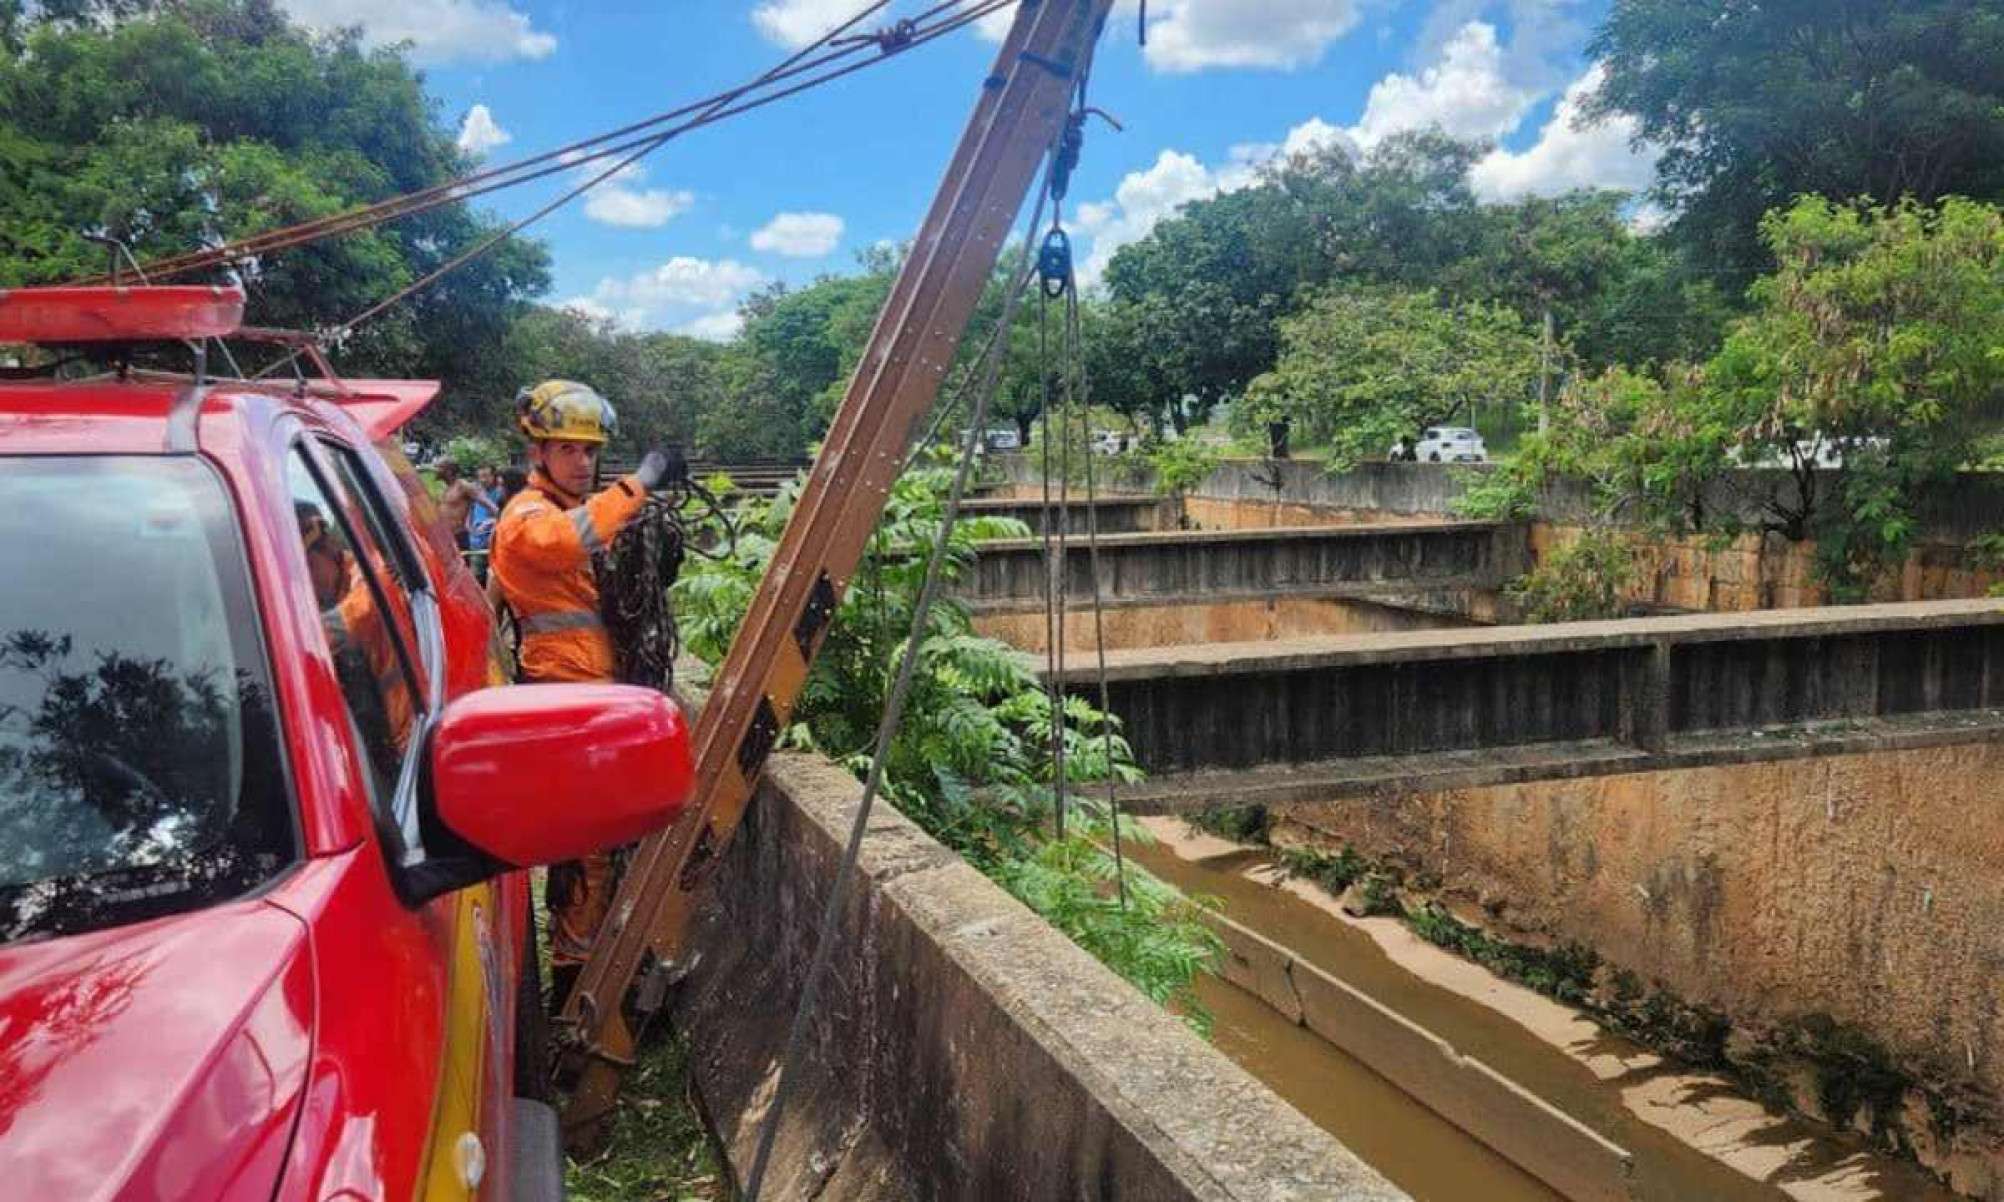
[[1199, 566], [1644, 683], [1751, 572], [1867, 887], [1286, 617], [1113, 515], [962, 1048], [1973, 505]]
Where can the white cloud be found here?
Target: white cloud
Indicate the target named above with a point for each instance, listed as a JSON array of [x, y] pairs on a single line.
[[714, 327], [646, 208], [439, 31], [620, 201], [480, 132], [1467, 93], [1197, 35], [799, 235], [1468, 90], [1193, 35], [1569, 154], [681, 292], [795, 23], [1140, 200]]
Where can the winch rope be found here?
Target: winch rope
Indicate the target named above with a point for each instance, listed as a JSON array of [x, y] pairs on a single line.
[[1059, 281], [887, 726]]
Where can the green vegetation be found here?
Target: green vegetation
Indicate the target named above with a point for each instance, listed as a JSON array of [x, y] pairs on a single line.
[[658, 1150], [1582, 580], [1241, 824], [970, 762], [1366, 367], [1757, 104], [174, 125], [1867, 373]]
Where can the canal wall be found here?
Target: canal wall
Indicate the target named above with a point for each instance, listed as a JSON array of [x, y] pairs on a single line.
[[1704, 573], [1289, 616], [1530, 1133], [1865, 889], [962, 1048], [1195, 567]]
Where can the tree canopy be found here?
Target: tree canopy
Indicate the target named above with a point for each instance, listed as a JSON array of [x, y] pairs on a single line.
[[177, 126], [1870, 369], [1756, 104], [1363, 367]]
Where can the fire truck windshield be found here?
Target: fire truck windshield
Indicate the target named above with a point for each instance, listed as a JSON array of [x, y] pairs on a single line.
[[140, 769]]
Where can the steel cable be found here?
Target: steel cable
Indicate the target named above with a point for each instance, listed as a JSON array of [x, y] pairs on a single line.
[[887, 727]]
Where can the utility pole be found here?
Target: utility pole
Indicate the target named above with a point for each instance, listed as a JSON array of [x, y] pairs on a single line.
[[1545, 375], [1023, 107]]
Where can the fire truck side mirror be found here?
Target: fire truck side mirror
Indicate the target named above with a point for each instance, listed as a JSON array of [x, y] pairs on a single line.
[[537, 774]]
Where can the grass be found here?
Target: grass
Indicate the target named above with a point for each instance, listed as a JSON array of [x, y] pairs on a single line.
[[659, 1150]]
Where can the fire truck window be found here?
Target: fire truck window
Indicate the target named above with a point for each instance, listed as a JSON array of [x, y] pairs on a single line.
[[365, 618]]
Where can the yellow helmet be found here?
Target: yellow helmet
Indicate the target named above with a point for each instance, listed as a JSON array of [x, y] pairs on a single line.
[[567, 410]]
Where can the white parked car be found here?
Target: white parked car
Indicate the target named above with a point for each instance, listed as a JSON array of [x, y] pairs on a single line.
[[1446, 444]]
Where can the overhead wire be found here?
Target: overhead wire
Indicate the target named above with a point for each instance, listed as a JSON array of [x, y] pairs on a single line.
[[645, 147], [717, 106]]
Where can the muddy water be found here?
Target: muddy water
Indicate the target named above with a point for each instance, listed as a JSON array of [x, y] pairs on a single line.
[[1415, 1148], [1690, 1137]]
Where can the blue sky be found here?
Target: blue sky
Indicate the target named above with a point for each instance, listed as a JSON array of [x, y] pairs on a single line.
[[797, 189]]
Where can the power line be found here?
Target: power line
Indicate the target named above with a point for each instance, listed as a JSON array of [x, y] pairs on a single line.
[[728, 103], [720, 110]]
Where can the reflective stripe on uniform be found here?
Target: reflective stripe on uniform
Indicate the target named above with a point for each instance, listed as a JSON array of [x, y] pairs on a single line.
[[587, 533], [576, 619]]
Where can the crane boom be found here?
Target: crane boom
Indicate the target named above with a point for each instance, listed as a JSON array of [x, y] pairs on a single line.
[[1023, 106]]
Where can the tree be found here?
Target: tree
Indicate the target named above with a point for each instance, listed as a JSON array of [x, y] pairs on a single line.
[[1756, 104], [177, 126], [1881, 336], [661, 384], [1870, 370], [970, 760], [1364, 367]]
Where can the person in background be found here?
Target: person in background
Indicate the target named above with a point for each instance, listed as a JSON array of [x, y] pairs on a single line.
[[480, 518], [456, 502]]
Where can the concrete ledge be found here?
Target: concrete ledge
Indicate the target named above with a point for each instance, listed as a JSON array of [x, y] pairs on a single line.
[[1282, 785], [1522, 1128], [1405, 704], [1253, 562], [1226, 659], [963, 1048]]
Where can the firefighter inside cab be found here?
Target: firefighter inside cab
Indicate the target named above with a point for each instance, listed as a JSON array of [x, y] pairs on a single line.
[[542, 557]]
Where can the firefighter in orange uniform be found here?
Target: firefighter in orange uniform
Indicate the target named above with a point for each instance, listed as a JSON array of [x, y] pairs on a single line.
[[543, 546]]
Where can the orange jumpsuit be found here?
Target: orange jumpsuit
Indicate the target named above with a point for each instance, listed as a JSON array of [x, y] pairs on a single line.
[[543, 546]]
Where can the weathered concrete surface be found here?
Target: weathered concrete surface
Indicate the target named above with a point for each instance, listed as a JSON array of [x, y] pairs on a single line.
[[1757, 571], [1866, 887], [1114, 515], [1286, 617], [1635, 685], [1972, 506], [1538, 1138], [1751, 572], [962, 1048], [1186, 566]]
